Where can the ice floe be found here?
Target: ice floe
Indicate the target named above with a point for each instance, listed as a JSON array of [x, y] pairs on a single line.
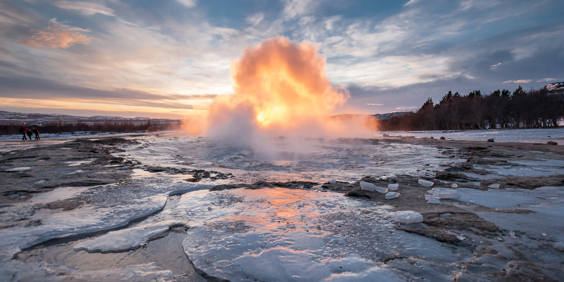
[[127, 239], [83, 220], [407, 217]]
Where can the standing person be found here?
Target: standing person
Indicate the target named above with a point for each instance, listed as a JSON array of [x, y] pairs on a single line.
[[36, 133], [23, 130], [29, 133]]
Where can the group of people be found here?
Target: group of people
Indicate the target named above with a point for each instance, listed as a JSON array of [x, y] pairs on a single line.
[[29, 131]]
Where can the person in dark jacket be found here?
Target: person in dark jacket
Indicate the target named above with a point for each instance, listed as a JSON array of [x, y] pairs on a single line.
[[29, 133], [36, 133], [23, 130]]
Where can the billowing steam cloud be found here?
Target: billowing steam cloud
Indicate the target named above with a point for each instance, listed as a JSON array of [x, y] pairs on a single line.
[[280, 88]]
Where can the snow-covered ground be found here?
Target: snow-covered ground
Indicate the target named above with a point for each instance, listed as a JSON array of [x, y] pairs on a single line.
[[541, 135]]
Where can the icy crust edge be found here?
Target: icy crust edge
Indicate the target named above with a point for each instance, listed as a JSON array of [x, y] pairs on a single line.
[[77, 222], [128, 239]]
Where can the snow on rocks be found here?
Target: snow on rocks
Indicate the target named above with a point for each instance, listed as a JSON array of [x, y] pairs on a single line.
[[444, 193], [425, 183], [131, 238], [434, 195], [407, 217], [393, 187], [392, 195], [494, 186]]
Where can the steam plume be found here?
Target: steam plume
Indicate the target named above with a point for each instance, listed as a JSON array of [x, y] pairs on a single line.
[[281, 88]]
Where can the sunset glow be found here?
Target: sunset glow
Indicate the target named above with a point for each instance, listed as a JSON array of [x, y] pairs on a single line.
[[99, 57]]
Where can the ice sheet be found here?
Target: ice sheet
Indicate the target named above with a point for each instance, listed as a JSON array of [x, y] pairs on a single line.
[[539, 135], [83, 220], [282, 234], [546, 202]]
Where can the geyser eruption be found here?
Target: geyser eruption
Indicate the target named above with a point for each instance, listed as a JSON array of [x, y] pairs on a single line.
[[280, 89]]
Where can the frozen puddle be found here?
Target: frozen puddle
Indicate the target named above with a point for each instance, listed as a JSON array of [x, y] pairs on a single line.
[[296, 235], [546, 203]]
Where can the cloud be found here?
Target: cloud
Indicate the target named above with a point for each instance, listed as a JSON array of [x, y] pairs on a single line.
[[305, 21], [296, 8], [548, 79], [187, 3], [518, 81], [391, 71], [57, 35], [493, 67], [85, 8], [329, 23], [374, 104], [255, 19], [432, 46], [410, 2]]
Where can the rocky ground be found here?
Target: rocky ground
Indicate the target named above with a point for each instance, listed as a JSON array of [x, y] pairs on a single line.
[[499, 253]]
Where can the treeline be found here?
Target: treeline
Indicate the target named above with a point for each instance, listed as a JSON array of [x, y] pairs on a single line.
[[499, 109], [108, 126]]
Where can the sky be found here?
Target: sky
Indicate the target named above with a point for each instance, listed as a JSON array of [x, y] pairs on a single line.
[[170, 58]]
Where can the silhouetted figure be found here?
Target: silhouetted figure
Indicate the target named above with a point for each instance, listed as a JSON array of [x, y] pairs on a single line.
[[23, 130], [29, 133], [36, 133]]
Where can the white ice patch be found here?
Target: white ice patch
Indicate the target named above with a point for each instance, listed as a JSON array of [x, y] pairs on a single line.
[[536, 135], [443, 193], [77, 163], [16, 169], [127, 239], [392, 195], [407, 217], [425, 183], [367, 186]]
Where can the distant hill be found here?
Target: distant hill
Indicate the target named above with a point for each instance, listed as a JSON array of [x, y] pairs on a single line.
[[389, 115], [11, 118]]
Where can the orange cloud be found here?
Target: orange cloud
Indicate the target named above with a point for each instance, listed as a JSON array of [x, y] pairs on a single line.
[[57, 35]]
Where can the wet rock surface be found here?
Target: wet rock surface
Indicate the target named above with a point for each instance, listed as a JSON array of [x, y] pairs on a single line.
[[80, 163]]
